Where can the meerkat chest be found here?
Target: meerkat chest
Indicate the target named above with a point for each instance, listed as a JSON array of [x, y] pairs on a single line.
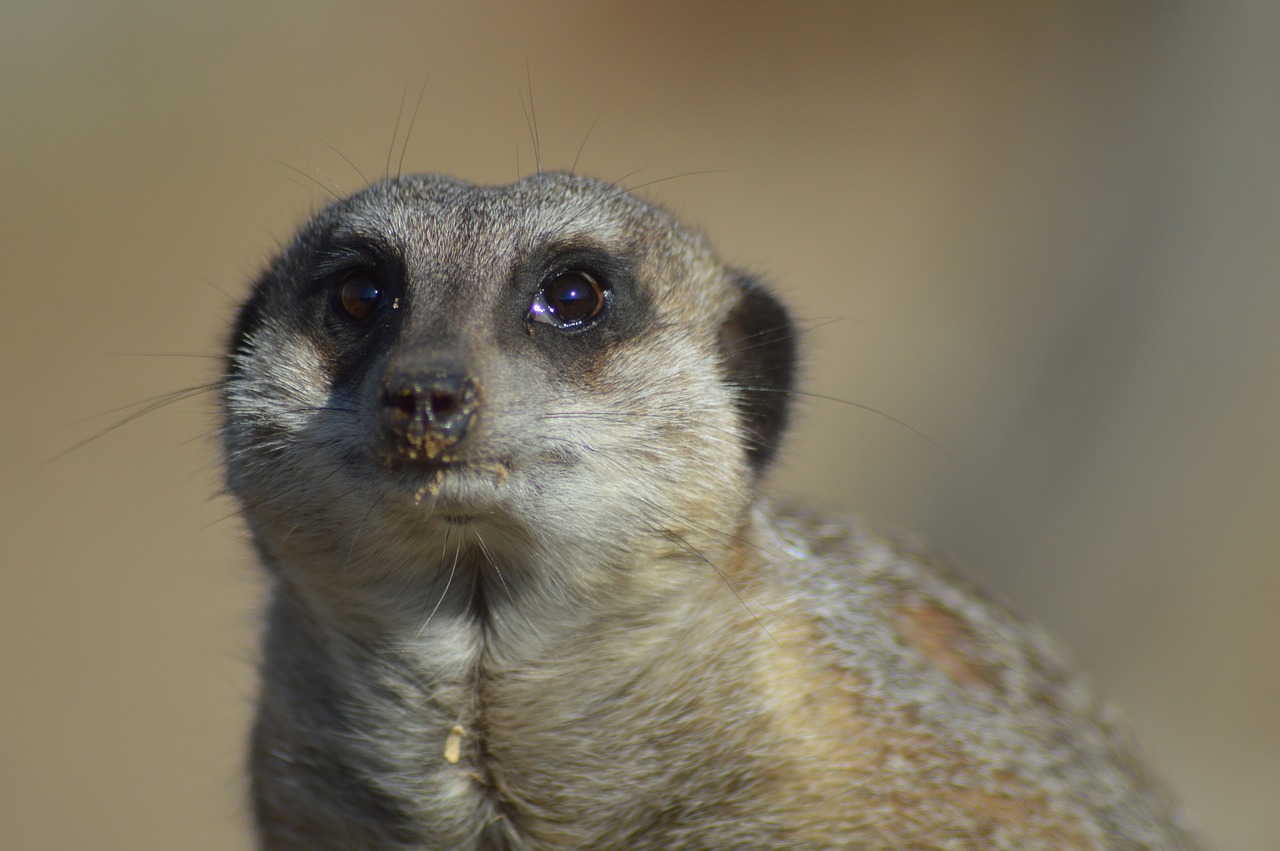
[[577, 745]]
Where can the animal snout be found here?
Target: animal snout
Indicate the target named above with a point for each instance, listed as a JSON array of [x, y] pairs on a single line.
[[427, 413]]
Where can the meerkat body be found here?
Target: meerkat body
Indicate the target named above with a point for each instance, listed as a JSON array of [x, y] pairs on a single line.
[[500, 449]]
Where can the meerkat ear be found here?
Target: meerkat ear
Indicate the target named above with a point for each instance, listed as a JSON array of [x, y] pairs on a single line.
[[758, 350]]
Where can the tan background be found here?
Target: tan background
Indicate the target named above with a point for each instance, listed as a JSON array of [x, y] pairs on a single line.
[[1043, 234]]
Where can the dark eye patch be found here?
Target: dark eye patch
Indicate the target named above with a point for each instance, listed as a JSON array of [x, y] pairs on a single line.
[[361, 280]]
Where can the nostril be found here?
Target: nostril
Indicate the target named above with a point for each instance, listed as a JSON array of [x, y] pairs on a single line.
[[427, 414], [444, 404], [404, 401]]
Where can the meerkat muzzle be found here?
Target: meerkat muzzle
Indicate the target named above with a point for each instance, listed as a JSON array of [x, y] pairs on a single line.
[[425, 414]]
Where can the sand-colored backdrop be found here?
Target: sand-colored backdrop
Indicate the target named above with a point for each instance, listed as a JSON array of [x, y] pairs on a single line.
[[1043, 234]]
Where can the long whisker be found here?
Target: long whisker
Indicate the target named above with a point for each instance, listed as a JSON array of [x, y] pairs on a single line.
[[165, 355], [310, 177], [511, 598], [531, 118], [573, 169], [679, 176], [337, 188], [155, 403], [348, 161], [355, 537], [152, 403], [727, 536], [679, 540], [860, 406], [457, 554], [395, 131], [413, 119]]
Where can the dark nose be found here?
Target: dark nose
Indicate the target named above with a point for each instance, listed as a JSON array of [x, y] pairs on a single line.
[[426, 414]]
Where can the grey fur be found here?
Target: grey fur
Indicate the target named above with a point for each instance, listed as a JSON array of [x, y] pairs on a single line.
[[583, 626]]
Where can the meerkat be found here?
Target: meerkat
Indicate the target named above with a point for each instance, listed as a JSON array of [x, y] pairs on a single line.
[[500, 450]]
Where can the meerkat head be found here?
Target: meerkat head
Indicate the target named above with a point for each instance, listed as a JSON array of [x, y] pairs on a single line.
[[549, 370]]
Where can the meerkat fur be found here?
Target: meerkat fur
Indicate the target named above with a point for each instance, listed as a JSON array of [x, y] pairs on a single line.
[[500, 451]]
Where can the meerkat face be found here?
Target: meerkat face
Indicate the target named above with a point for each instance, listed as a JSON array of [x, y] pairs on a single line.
[[543, 370]]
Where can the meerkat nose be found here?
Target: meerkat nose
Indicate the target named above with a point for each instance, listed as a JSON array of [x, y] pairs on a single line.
[[427, 413]]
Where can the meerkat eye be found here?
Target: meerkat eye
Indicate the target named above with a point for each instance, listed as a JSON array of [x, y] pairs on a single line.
[[360, 297], [569, 300]]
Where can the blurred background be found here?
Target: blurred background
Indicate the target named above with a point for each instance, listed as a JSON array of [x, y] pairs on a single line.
[[1044, 235]]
